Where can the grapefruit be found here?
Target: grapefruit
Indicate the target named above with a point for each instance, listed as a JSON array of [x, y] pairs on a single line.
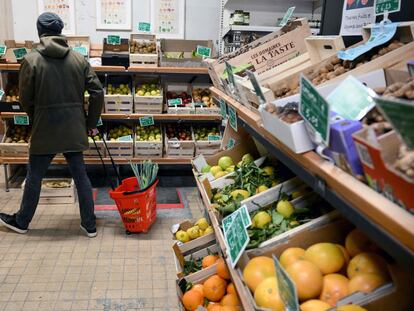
[[307, 277], [290, 255], [225, 162], [356, 242], [215, 169], [335, 287], [347, 257], [258, 269], [367, 263], [326, 256], [192, 299], [366, 282], [222, 270], [220, 174], [230, 300], [314, 305], [267, 295], [214, 288], [350, 308]]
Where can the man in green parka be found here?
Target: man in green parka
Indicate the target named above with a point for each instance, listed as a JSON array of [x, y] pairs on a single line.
[[52, 82]]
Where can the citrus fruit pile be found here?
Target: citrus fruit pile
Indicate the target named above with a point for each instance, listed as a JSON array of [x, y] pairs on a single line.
[[194, 265], [200, 228]]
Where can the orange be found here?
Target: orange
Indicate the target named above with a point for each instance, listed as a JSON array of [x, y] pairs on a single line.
[[222, 269], [214, 288], [214, 307], [347, 257], [291, 255], [366, 282], [230, 308], [335, 287], [209, 261], [231, 289], [307, 277], [327, 256], [367, 263], [314, 305], [267, 295], [230, 300], [356, 242], [258, 269], [192, 299], [350, 308], [199, 287]]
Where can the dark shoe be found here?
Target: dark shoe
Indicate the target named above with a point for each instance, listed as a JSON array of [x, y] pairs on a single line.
[[90, 233], [10, 222]]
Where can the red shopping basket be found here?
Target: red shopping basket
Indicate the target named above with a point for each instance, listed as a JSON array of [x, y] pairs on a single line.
[[137, 208]]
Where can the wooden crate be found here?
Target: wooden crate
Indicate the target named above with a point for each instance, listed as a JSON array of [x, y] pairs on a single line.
[[80, 41], [192, 245], [143, 60], [179, 88], [148, 104], [12, 149], [323, 47], [179, 148], [121, 149], [9, 57], [93, 150], [206, 147], [119, 104], [151, 149], [56, 195]]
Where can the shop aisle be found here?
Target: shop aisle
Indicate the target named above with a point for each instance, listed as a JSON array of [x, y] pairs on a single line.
[[55, 267]]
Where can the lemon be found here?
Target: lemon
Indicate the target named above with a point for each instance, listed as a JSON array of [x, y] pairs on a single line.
[[235, 193], [261, 219], [261, 188], [269, 170], [285, 208], [220, 174], [230, 169], [193, 232], [208, 230], [182, 236], [215, 169], [202, 223]]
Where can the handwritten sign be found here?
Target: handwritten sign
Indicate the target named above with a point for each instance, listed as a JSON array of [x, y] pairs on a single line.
[[390, 6], [81, 50], [146, 121], [203, 51], [233, 117], [175, 102], [113, 40], [287, 16], [144, 27], [3, 49], [19, 53], [21, 120], [236, 238]]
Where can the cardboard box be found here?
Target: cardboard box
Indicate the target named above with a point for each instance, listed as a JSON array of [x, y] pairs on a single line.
[[323, 47], [193, 245], [143, 59]]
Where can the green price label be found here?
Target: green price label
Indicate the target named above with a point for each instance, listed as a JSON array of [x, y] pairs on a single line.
[[231, 143], [247, 221], [287, 289], [81, 50], [287, 16], [230, 75], [314, 109], [19, 53], [390, 6], [3, 49], [21, 120], [400, 113], [203, 51], [213, 137], [256, 87], [100, 123], [114, 40], [1, 94], [223, 108], [236, 238], [146, 27], [125, 138], [175, 102], [232, 117], [146, 121]]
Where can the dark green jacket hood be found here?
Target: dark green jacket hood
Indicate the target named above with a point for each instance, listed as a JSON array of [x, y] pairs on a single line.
[[53, 46]]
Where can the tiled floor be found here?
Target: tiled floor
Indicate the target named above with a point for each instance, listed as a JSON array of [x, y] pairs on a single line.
[[55, 267]]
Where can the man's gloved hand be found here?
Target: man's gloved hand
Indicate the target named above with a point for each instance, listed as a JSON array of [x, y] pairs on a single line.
[[93, 132]]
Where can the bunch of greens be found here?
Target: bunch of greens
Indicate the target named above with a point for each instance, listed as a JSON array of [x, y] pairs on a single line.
[[145, 172]]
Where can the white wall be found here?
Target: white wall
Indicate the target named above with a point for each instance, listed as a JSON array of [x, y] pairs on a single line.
[[202, 19]]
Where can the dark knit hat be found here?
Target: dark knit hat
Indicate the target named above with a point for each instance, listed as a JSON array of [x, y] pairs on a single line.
[[49, 23]]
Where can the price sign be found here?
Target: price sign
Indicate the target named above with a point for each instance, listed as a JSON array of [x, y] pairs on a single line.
[[287, 16], [236, 238], [256, 86], [100, 123], [230, 75], [223, 108], [232, 117], [314, 109], [231, 143], [125, 138], [203, 51], [1, 94], [114, 40], [247, 221], [390, 6], [145, 27], [81, 50], [213, 137], [175, 102], [146, 121], [3, 49], [19, 53], [401, 115], [21, 120], [287, 289]]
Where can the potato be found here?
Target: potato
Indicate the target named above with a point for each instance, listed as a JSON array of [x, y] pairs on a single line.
[[331, 76], [335, 61], [330, 67], [340, 70], [323, 70], [383, 51]]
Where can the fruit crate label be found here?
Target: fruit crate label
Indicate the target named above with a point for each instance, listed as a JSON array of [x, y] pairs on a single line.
[[81, 50], [21, 120], [314, 109], [231, 143], [146, 121], [1, 94], [3, 49], [146, 27], [236, 238], [244, 214], [287, 289], [114, 40], [390, 6], [125, 138], [351, 99], [233, 117], [223, 108], [287, 16], [400, 113], [19, 53], [100, 123], [230, 75], [203, 51], [175, 102], [213, 137], [256, 86]]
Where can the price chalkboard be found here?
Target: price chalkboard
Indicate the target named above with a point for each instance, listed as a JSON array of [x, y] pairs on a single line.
[[236, 238], [3, 49], [21, 120], [146, 121], [145, 27], [81, 50], [213, 137], [125, 138], [287, 289], [19, 53], [231, 143], [175, 102], [223, 108], [203, 51], [390, 6], [314, 109], [232, 117], [114, 40]]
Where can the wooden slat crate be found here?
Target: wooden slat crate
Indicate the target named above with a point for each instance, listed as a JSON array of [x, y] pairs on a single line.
[[50, 195], [119, 104], [179, 88], [80, 41], [179, 148], [143, 60], [207, 147], [12, 149], [152, 149], [148, 104], [93, 150], [121, 149]]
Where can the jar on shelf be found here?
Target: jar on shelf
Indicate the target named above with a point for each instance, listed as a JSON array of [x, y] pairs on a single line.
[[246, 18], [231, 21], [238, 18]]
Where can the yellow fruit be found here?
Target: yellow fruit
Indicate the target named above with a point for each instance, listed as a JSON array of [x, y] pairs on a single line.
[[335, 287], [285, 208], [350, 308], [230, 169], [192, 299], [314, 305], [230, 300], [247, 159], [220, 174], [182, 236], [367, 263], [345, 253], [208, 261], [261, 188], [274, 183], [307, 277], [245, 194], [261, 219], [225, 162], [356, 242], [202, 223], [258, 269], [208, 230], [215, 169], [269, 170], [193, 232], [214, 288], [326, 256], [366, 282], [267, 295], [291, 255]]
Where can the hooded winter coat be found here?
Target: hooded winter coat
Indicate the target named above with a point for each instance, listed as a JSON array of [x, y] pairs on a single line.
[[52, 82]]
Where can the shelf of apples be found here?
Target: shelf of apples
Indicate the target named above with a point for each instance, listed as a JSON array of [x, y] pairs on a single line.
[[148, 98], [121, 141], [179, 141], [185, 104], [207, 139], [119, 99], [203, 101], [148, 141]]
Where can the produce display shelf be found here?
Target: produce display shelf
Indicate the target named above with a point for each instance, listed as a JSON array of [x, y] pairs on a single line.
[[380, 219]]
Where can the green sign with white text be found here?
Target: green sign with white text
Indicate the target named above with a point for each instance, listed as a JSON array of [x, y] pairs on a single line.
[[390, 6], [81, 50], [236, 238], [203, 51], [1, 93], [231, 143], [125, 138], [232, 117], [114, 40], [19, 53], [21, 120], [145, 27], [244, 214], [175, 102], [223, 108], [146, 121], [213, 137], [3, 49], [230, 75], [100, 123], [287, 289], [287, 16]]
